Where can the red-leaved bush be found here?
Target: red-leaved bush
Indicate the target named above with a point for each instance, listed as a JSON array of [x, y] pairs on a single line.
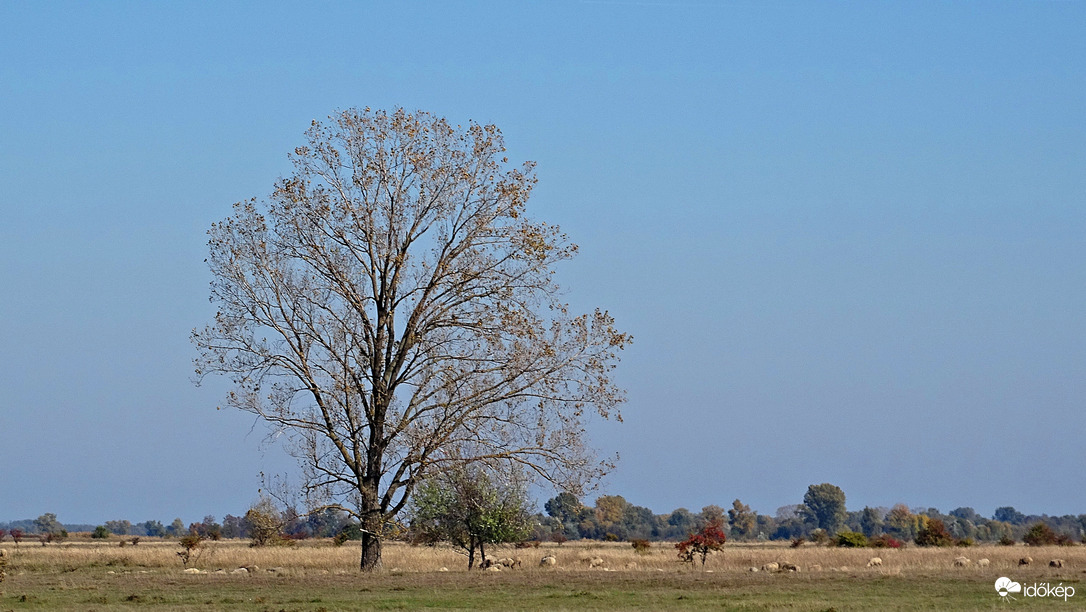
[[884, 541], [710, 538]]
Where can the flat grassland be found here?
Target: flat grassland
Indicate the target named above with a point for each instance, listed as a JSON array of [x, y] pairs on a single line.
[[317, 576]]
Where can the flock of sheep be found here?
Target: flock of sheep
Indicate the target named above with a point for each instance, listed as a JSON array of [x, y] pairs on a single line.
[[508, 563], [595, 562]]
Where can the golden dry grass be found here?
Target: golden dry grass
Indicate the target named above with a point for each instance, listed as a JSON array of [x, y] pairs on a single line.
[[320, 556]]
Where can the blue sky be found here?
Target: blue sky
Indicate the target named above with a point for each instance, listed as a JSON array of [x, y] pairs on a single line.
[[847, 237]]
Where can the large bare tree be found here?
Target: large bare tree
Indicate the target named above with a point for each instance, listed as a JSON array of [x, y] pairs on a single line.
[[392, 306]]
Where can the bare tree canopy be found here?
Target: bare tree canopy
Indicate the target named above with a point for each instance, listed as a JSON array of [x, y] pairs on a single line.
[[393, 307]]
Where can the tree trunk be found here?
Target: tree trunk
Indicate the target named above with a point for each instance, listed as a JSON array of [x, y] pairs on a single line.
[[371, 552]]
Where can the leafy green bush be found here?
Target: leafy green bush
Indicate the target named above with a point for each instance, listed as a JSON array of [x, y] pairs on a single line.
[[641, 547], [100, 532], [350, 531], [851, 539], [1040, 535]]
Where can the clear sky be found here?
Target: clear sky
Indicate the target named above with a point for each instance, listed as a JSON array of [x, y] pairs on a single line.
[[848, 238]]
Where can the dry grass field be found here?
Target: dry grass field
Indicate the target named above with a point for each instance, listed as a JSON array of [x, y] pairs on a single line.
[[315, 575]]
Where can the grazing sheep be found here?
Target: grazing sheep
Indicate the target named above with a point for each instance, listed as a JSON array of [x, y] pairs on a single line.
[[509, 562], [595, 562], [1025, 561], [982, 563], [443, 569], [753, 569], [789, 567], [1055, 563], [961, 562], [494, 568], [874, 562], [815, 568], [193, 570], [771, 567], [549, 560]]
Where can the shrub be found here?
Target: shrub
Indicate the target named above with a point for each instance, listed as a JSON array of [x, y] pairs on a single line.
[[965, 542], [796, 543], [851, 539], [710, 538], [100, 532], [559, 538], [1040, 535], [16, 536], [1062, 539], [265, 523], [350, 531], [885, 541], [934, 533], [191, 545], [641, 547], [819, 536]]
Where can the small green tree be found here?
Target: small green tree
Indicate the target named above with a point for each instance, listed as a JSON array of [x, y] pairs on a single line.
[[742, 519], [100, 532], [176, 528], [1040, 535], [48, 524], [154, 529], [871, 522], [824, 507], [470, 507], [121, 527]]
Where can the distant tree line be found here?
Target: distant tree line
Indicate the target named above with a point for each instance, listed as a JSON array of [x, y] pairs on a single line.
[[822, 516]]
